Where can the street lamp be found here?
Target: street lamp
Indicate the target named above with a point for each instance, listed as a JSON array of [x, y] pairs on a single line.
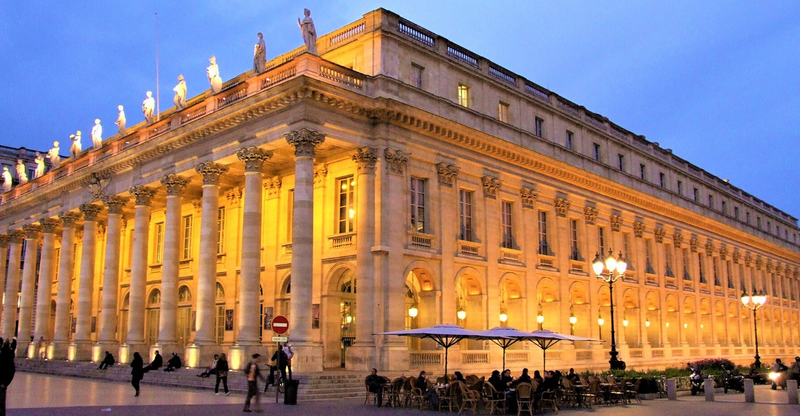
[[753, 302], [572, 321], [609, 271], [413, 311], [540, 319]]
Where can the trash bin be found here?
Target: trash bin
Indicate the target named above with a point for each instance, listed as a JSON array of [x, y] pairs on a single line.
[[290, 391]]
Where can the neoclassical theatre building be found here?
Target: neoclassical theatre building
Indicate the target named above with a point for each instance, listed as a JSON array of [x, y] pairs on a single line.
[[395, 180]]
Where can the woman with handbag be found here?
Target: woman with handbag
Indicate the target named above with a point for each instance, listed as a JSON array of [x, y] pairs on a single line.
[[222, 374]]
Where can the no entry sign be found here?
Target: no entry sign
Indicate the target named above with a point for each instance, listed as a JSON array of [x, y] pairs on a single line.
[[280, 324]]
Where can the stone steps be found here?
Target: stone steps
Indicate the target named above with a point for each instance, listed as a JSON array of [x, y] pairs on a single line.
[[321, 386]]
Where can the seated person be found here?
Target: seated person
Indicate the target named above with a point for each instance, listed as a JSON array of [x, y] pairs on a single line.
[[497, 382], [155, 364], [107, 361], [375, 384], [212, 369], [523, 378], [429, 393], [459, 377], [550, 383], [572, 377], [506, 378], [537, 376], [174, 363]]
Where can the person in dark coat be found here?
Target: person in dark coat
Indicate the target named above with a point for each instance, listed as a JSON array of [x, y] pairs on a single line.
[[156, 363], [375, 384], [497, 383], [537, 376], [281, 360], [107, 361], [174, 363], [7, 370], [137, 372], [14, 345], [523, 378], [222, 374]]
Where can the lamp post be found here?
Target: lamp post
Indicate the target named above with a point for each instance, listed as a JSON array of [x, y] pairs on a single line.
[[753, 302], [609, 270]]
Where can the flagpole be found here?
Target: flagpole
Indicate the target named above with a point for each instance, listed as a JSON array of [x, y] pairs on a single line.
[[158, 96]]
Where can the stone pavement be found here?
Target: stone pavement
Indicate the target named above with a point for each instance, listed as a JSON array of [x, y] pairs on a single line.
[[36, 394]]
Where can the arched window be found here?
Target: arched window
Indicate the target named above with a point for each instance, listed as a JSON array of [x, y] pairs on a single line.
[[184, 295]]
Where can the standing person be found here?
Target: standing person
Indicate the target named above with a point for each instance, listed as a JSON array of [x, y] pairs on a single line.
[[253, 374], [156, 363], [222, 374], [794, 372], [259, 55], [137, 372], [7, 370], [42, 348], [289, 355], [280, 360]]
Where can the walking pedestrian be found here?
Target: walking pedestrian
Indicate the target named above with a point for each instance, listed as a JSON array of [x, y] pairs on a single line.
[[222, 374], [253, 374], [7, 370], [137, 372]]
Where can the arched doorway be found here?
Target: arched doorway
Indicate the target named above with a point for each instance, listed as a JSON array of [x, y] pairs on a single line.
[[470, 312], [420, 306], [220, 314], [512, 303], [671, 325], [184, 316], [689, 327], [347, 313], [153, 312], [652, 323], [579, 314]]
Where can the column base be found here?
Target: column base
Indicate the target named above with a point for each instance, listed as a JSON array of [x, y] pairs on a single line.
[[239, 355], [99, 350], [31, 352], [360, 357], [166, 350], [80, 351], [126, 352], [307, 357], [58, 350], [197, 355], [396, 358]]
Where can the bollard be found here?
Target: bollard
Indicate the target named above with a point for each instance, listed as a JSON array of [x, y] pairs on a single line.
[[791, 387], [708, 387], [671, 391], [749, 392]]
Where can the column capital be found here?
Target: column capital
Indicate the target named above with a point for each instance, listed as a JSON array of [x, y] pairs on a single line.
[[529, 197], [320, 173], [365, 158], [490, 186], [272, 186], [49, 225], [175, 184], [709, 247], [562, 206], [447, 173], [32, 231], [142, 194], [16, 236], [638, 229], [693, 243], [90, 211], [211, 172], [616, 222], [396, 160], [659, 233], [736, 256], [677, 238], [115, 203], [590, 214], [253, 158], [69, 218], [304, 141], [4, 240]]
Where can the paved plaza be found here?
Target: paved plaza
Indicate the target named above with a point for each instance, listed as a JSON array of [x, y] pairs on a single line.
[[36, 394]]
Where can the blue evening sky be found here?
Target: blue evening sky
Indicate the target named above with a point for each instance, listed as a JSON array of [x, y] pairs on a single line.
[[716, 81]]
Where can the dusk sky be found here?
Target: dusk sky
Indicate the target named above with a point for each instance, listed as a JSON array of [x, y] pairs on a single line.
[[715, 81]]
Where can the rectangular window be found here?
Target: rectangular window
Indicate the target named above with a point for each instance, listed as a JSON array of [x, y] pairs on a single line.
[[289, 215], [573, 238], [57, 260], [758, 222], [463, 95], [680, 188], [601, 241], [539, 127], [648, 256], [714, 270], [736, 212], [158, 248], [508, 236], [187, 237], [742, 284], [621, 162], [570, 136], [711, 201], [465, 213], [747, 218], [220, 230], [686, 274], [696, 195], [625, 244], [668, 261], [345, 211], [700, 268], [643, 171], [544, 247], [661, 178], [502, 112], [418, 189], [596, 152], [729, 276], [724, 207], [416, 75]]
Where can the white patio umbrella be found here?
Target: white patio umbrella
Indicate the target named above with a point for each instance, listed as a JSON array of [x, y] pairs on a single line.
[[545, 339], [503, 337], [445, 335]]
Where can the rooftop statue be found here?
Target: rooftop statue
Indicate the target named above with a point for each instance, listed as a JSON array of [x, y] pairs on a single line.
[[259, 55], [213, 75], [121, 120], [309, 32], [55, 158], [149, 108], [22, 173], [97, 134], [6, 179], [39, 165], [75, 149], [180, 94]]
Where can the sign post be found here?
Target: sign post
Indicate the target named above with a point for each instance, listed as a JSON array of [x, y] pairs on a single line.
[[280, 325]]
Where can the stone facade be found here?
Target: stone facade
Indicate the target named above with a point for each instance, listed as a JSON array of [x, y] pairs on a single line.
[[423, 175]]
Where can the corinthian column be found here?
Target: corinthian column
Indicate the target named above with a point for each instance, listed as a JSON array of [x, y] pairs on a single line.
[[304, 141], [249, 324], [141, 235], [80, 349], [108, 304], [12, 283], [58, 348], [28, 286], [3, 261], [361, 355], [168, 333], [42, 329], [207, 267]]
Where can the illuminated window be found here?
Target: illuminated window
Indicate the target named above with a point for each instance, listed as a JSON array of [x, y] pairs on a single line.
[[601, 240], [187, 237], [463, 95], [220, 230], [465, 214], [648, 255], [345, 211], [573, 238], [418, 190], [502, 112], [159, 242]]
